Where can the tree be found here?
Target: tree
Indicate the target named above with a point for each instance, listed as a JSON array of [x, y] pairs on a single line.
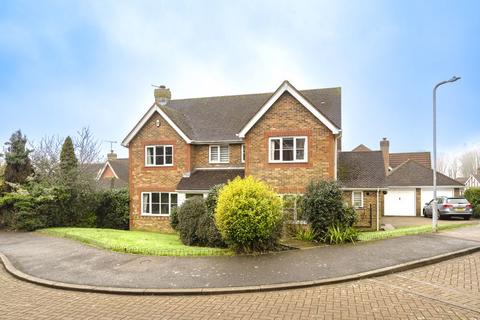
[[68, 160], [87, 147], [18, 164], [46, 159]]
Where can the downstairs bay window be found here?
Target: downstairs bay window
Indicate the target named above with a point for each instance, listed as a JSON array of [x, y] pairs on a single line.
[[288, 149], [158, 203]]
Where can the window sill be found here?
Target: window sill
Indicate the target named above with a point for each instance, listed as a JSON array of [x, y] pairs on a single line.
[[275, 162], [158, 166], [154, 215]]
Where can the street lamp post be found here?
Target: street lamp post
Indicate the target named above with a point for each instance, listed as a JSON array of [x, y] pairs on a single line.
[[435, 208]]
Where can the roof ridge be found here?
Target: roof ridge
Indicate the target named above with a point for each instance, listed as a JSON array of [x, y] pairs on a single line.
[[249, 94]]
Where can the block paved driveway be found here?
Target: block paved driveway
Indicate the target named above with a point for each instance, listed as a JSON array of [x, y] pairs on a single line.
[[448, 290]]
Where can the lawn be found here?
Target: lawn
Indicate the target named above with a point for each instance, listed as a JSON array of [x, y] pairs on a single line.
[[136, 242], [405, 231]]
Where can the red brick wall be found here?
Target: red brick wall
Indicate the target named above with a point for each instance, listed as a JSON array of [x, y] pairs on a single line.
[[154, 178], [107, 173], [369, 199], [287, 117]]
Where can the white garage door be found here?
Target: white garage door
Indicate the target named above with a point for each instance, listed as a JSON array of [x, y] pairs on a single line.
[[427, 194], [400, 202]]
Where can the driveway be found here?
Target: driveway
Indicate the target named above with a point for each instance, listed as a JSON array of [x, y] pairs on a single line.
[[420, 221]]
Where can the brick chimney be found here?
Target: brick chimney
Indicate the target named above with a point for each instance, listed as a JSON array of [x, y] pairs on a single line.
[[385, 148], [162, 95], [111, 156]]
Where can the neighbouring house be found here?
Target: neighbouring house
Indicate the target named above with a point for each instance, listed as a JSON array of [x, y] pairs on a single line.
[[473, 181], [113, 174], [410, 181], [181, 148]]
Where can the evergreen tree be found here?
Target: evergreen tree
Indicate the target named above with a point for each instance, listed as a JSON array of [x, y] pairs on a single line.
[[18, 164], [68, 160]]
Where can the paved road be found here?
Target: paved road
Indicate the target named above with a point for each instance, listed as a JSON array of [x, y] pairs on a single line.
[[72, 262], [448, 290]]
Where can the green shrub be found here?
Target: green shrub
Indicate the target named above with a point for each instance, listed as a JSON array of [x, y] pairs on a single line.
[[174, 218], [189, 215], [338, 234], [112, 209], [473, 196], [249, 215], [26, 220], [323, 207], [207, 230]]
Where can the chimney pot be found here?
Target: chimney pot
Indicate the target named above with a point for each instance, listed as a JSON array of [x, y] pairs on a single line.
[[162, 95], [111, 156]]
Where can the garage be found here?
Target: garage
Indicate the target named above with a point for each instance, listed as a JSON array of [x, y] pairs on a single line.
[[404, 181], [400, 202]]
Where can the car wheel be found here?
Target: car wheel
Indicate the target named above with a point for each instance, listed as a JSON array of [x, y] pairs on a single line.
[[425, 214], [466, 218]]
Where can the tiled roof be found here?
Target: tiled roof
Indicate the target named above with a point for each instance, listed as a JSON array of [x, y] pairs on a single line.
[[412, 173], [462, 180], [361, 148], [361, 169], [221, 118], [422, 158], [206, 179], [120, 166]]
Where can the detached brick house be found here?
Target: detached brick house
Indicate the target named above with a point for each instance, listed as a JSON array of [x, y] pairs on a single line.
[[181, 148]]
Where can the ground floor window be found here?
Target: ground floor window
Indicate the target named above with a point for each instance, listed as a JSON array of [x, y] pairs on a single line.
[[158, 203], [357, 199]]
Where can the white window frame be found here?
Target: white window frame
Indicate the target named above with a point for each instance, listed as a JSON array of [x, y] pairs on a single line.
[[154, 155], [242, 153], [218, 146], [160, 204], [305, 153], [361, 199]]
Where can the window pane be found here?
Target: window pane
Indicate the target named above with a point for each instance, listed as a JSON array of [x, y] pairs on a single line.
[[168, 151], [159, 150], [300, 154], [155, 197], [287, 155], [173, 199], [164, 198], [287, 143], [224, 157], [168, 160], [155, 208], [150, 155], [164, 208], [275, 149], [357, 199], [243, 152], [159, 160], [146, 203], [214, 154], [300, 143]]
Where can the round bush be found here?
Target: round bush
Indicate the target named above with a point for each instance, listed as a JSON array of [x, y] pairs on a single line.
[[249, 215], [207, 229], [188, 220]]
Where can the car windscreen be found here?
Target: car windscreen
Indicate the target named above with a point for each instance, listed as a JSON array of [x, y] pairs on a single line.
[[457, 200]]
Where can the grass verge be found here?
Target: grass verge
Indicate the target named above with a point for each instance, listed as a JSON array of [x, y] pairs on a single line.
[[135, 242], [405, 231]]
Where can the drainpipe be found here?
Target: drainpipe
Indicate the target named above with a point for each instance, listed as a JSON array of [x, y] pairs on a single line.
[[378, 209]]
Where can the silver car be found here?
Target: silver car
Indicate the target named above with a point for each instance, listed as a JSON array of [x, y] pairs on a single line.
[[449, 207]]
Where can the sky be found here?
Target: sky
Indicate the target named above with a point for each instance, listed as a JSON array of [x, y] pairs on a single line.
[[65, 65]]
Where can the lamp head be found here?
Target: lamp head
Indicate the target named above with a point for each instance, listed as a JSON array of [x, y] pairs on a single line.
[[454, 78]]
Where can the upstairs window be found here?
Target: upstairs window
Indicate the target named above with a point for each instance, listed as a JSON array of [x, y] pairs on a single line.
[[288, 149], [219, 154], [158, 203], [357, 199], [160, 155]]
